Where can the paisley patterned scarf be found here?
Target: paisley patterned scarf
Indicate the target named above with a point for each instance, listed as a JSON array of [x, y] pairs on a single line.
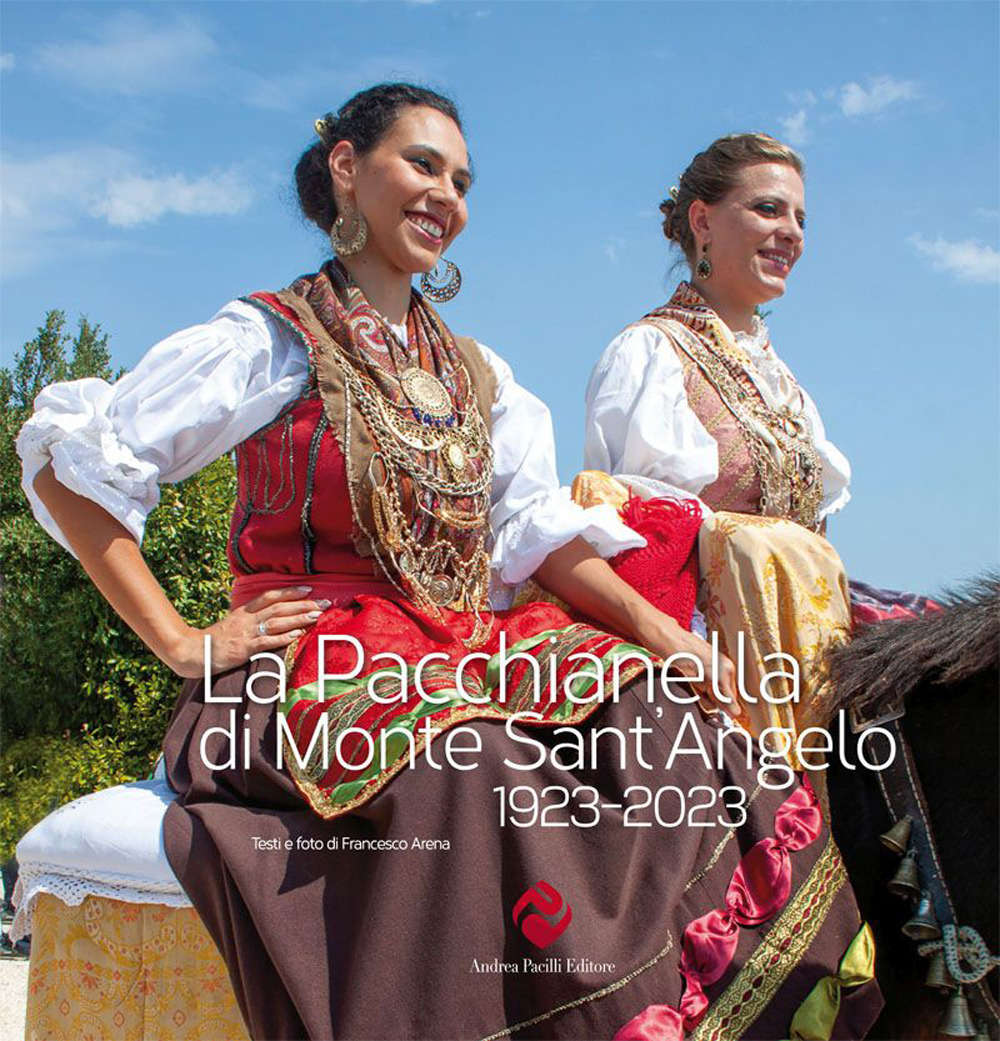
[[413, 423]]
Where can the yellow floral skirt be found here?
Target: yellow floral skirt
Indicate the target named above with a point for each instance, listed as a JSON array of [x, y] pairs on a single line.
[[113, 971]]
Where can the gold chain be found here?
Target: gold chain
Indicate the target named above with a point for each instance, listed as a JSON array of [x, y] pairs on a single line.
[[434, 569], [792, 487]]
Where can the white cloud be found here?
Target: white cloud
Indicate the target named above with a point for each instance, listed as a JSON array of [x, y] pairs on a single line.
[[613, 249], [41, 202], [817, 108], [7, 61], [882, 92], [132, 54], [802, 97], [134, 199], [48, 204], [793, 128], [48, 190], [135, 55], [969, 260]]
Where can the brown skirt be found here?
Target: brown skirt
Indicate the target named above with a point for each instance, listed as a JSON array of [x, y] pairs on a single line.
[[406, 942]]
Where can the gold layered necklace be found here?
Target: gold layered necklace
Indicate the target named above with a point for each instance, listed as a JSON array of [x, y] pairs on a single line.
[[779, 439], [790, 478], [430, 477]]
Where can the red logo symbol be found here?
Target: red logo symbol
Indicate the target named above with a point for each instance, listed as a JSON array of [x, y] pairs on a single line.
[[548, 900]]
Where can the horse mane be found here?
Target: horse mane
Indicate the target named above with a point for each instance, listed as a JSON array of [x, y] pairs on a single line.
[[884, 662]]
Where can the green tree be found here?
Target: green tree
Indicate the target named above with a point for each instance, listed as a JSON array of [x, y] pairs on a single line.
[[85, 704]]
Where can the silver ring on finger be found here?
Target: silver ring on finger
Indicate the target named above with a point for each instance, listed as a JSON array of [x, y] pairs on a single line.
[[262, 627]]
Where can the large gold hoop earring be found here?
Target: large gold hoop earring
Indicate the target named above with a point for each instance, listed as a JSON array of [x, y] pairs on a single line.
[[441, 287], [344, 246], [704, 268]]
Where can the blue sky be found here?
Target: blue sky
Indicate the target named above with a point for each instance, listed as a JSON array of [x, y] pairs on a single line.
[[148, 150]]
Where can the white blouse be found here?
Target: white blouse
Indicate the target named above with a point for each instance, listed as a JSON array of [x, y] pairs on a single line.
[[640, 427], [200, 392]]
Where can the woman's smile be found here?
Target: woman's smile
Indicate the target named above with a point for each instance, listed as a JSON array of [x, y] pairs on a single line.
[[755, 236], [777, 260], [430, 228]]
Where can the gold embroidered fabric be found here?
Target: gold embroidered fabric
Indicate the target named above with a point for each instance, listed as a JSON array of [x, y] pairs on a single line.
[[737, 486], [596, 488], [107, 970], [785, 589]]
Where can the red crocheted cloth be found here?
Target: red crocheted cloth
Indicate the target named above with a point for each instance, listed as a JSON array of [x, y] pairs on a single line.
[[665, 571]]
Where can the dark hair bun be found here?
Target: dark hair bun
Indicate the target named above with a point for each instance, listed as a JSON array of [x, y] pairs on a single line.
[[364, 121]]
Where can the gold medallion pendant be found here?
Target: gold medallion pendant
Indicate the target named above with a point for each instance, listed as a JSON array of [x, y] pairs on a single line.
[[455, 455], [441, 589], [426, 392]]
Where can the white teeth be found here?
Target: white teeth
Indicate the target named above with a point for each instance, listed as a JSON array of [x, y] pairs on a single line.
[[430, 226], [778, 258]]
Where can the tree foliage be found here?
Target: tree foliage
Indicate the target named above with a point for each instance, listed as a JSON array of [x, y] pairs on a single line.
[[85, 704]]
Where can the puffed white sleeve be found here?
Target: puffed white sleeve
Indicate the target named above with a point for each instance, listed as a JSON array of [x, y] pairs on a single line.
[[193, 397], [639, 426], [834, 466], [530, 514]]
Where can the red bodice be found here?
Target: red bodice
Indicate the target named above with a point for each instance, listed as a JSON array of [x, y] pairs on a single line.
[[292, 513]]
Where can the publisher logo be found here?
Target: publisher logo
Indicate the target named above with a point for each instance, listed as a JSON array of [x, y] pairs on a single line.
[[547, 900]]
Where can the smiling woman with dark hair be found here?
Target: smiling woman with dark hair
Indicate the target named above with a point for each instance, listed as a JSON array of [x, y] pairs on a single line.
[[355, 848]]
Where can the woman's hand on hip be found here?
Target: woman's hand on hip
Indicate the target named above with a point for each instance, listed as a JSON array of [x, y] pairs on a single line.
[[269, 622]]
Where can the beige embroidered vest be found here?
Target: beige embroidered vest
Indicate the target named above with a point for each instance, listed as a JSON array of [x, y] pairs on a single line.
[[737, 488]]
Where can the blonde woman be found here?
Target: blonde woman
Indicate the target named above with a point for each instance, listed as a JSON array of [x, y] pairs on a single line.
[[692, 401]]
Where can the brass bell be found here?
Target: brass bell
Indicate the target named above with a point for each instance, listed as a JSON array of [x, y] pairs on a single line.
[[924, 924], [906, 881], [957, 1022], [938, 975], [897, 838]]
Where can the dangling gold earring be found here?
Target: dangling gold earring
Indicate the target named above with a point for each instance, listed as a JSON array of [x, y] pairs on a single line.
[[347, 247], [704, 268], [441, 287]]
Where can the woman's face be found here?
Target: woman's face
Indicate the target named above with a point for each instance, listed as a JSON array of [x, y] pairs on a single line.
[[754, 233], [410, 187]]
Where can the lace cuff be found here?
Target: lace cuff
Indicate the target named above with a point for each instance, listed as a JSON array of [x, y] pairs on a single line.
[[70, 427]]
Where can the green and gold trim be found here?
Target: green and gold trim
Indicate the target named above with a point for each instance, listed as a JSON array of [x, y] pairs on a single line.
[[347, 701]]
